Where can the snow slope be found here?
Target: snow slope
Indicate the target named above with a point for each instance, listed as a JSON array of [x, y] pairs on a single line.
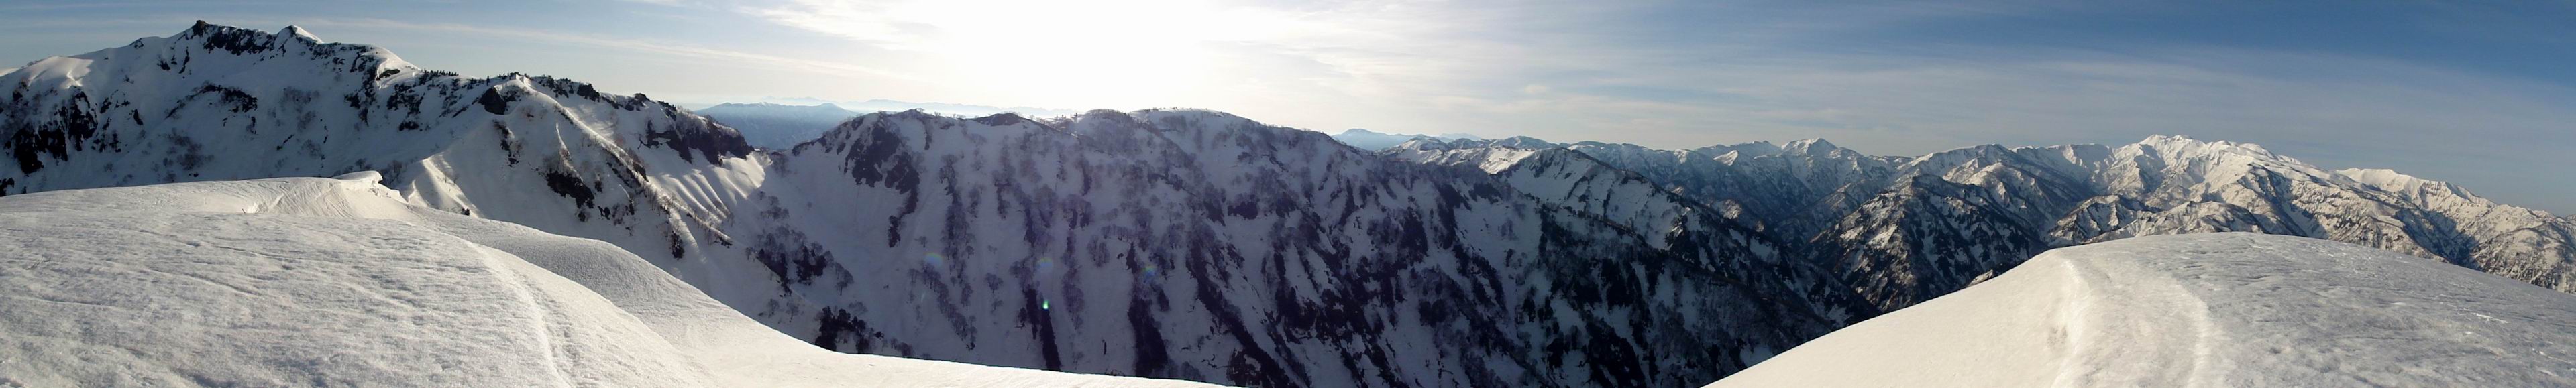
[[311, 281], [2206, 310]]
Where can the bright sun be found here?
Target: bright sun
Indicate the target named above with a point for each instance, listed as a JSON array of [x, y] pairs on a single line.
[[1105, 53]]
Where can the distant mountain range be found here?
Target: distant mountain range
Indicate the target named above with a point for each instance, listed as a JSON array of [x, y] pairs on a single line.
[[1201, 245], [1370, 140], [884, 105], [777, 126], [1902, 230]]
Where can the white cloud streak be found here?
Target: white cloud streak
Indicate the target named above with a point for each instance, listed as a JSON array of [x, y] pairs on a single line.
[[673, 49]]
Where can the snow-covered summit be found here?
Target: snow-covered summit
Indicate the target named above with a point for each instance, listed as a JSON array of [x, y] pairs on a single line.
[[217, 103], [2205, 310], [317, 281]]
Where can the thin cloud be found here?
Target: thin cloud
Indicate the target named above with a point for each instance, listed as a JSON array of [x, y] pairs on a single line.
[[649, 47]]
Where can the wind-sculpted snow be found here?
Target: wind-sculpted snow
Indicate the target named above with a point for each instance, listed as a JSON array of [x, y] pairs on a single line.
[[336, 282], [1203, 246], [2205, 310]]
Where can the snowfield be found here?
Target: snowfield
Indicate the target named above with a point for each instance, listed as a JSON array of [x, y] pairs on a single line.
[[2206, 310], [339, 282]]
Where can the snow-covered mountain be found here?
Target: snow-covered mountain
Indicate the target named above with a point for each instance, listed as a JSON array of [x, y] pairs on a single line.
[[1165, 243], [331, 282], [1372, 140], [778, 126], [2205, 310], [1950, 212], [220, 103], [1200, 245], [1902, 230]]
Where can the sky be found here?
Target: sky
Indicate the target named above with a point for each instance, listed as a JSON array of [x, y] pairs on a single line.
[[2482, 94]]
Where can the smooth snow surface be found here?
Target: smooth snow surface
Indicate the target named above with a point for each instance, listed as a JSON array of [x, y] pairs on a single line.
[[335, 282], [2207, 310]]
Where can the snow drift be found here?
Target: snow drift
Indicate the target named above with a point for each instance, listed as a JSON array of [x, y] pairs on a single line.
[[2227, 309], [330, 282]]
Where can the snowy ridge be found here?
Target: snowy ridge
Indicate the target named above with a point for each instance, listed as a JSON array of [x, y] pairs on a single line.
[[312, 281], [1488, 155], [2205, 310]]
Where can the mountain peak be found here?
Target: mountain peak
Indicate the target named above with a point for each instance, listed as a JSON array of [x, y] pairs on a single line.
[[1810, 146], [238, 41], [1357, 131], [2175, 147], [299, 32], [1522, 142]]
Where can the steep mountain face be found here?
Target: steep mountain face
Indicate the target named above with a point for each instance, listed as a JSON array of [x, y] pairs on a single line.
[[1899, 231], [778, 126], [1796, 190], [1566, 177], [1204, 246], [1949, 219]]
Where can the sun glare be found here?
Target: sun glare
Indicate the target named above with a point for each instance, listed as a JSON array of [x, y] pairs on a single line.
[[1102, 53]]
